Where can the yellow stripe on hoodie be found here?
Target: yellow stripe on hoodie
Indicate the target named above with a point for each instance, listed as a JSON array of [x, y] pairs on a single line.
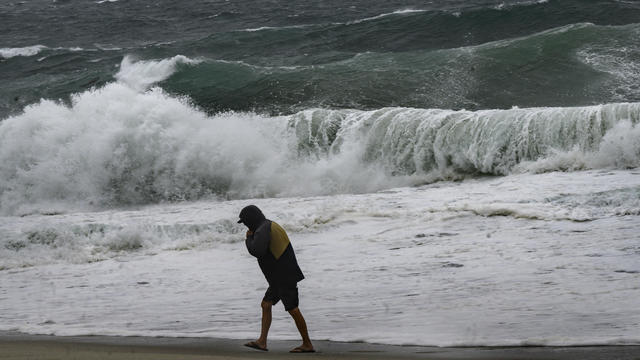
[[279, 240]]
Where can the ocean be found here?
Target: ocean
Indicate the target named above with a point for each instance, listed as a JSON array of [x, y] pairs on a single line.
[[450, 173]]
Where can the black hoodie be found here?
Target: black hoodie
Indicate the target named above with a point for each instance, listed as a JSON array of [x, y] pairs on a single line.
[[279, 268]]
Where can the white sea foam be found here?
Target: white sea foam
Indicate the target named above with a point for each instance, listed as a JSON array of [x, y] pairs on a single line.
[[121, 145], [505, 6], [617, 58], [352, 22], [619, 148], [141, 74], [451, 263], [107, 48], [33, 50], [262, 28], [380, 16], [8, 53]]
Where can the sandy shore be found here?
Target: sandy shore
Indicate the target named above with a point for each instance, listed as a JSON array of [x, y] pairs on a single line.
[[22, 346]]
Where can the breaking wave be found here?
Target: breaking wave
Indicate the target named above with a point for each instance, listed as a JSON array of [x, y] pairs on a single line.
[[121, 145], [141, 74]]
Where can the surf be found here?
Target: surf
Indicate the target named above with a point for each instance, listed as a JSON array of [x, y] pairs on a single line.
[[119, 145]]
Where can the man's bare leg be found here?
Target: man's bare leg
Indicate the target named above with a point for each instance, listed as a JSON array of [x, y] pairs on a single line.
[[266, 323], [302, 328]]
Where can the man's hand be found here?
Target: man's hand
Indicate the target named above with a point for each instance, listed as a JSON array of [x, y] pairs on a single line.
[[249, 233]]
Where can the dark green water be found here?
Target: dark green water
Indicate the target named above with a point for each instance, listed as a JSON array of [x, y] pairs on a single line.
[[282, 57]]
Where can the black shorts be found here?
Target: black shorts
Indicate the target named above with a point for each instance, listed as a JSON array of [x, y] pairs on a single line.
[[288, 295]]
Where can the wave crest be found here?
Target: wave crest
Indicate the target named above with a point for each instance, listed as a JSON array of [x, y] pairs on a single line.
[[8, 53], [142, 74], [117, 146]]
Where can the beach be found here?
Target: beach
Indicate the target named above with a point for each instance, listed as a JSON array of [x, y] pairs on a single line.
[[16, 346]]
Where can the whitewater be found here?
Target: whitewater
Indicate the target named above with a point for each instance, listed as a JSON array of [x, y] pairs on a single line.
[[130, 143], [546, 259], [413, 226]]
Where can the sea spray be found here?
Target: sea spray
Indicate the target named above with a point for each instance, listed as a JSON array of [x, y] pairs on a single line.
[[122, 144], [419, 141], [619, 148], [119, 145], [142, 73]]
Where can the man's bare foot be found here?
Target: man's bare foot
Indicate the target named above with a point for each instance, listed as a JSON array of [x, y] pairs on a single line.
[[259, 345], [304, 348]]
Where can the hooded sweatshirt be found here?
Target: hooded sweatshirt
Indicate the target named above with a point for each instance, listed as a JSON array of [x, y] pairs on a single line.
[[270, 244]]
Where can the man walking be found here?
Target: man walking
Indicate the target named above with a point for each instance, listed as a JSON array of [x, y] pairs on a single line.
[[268, 242]]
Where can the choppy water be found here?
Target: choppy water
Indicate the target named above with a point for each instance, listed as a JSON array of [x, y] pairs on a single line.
[[132, 133], [282, 58]]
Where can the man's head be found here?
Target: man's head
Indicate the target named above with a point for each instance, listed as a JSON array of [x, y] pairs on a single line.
[[251, 216]]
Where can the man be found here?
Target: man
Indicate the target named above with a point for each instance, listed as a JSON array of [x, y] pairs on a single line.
[[267, 241]]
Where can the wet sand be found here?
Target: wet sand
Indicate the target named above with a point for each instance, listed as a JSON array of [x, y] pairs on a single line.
[[42, 347]]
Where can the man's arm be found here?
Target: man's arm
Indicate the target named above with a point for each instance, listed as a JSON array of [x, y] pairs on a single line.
[[258, 242]]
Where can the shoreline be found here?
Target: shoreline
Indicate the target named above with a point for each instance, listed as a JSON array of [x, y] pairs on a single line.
[[17, 346]]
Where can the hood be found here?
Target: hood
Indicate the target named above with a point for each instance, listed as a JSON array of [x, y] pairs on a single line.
[[252, 217]]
